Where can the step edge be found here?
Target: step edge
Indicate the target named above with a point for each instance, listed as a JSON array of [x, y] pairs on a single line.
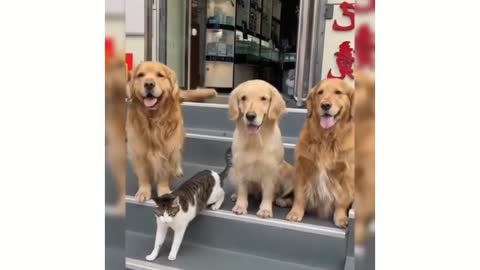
[[273, 222], [225, 106], [135, 264], [231, 252], [224, 139]]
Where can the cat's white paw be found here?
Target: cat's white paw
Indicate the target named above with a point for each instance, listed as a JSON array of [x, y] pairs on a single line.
[[172, 257], [151, 257], [215, 206]]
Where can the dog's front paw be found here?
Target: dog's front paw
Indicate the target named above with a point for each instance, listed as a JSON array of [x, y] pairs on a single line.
[[340, 219], [163, 190], [172, 257], [295, 216], [240, 209], [143, 194], [265, 213], [119, 209]]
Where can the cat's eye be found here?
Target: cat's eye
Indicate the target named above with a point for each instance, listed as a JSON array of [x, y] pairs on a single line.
[[338, 92], [244, 98], [140, 75], [320, 92], [264, 98]]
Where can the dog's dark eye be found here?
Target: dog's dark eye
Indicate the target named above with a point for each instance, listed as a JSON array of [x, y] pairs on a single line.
[[264, 98], [338, 92], [140, 75], [244, 98], [320, 92], [160, 75]]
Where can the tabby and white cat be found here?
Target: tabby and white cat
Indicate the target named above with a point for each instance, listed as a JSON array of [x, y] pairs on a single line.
[[175, 210]]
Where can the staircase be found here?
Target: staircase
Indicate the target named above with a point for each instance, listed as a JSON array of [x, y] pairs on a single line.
[[218, 240]]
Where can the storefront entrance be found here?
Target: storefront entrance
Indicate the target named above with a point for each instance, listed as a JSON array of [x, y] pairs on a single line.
[[222, 43]]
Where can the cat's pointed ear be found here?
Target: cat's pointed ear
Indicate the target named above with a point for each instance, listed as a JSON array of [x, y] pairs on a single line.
[[157, 200], [176, 202]]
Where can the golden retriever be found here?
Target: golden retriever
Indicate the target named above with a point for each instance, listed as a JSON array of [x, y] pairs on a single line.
[[258, 155], [155, 132], [324, 154], [115, 81], [364, 154]]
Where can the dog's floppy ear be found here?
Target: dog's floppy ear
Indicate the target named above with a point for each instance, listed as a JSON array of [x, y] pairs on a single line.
[[350, 91], [172, 77], [310, 103], [277, 105], [130, 80], [233, 109]]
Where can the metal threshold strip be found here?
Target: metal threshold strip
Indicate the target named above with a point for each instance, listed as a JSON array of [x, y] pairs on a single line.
[[279, 223], [225, 106], [225, 139], [135, 264]]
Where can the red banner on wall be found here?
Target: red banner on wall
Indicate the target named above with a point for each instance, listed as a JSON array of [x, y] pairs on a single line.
[[109, 47], [129, 61]]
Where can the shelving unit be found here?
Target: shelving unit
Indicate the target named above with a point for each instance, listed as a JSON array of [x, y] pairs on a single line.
[[242, 32], [220, 43]]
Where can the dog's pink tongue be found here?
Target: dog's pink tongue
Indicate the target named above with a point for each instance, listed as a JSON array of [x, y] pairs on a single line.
[[327, 121], [252, 130], [149, 102]]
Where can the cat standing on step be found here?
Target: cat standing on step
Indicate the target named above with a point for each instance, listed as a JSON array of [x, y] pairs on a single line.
[[177, 209]]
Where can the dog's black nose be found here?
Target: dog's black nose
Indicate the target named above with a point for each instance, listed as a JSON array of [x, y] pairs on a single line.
[[326, 106], [149, 85], [251, 116]]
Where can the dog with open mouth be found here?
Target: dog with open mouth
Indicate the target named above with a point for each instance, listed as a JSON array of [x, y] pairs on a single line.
[[155, 132], [259, 167], [325, 154]]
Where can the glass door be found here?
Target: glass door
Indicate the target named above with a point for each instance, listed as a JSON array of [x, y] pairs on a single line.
[[222, 43]]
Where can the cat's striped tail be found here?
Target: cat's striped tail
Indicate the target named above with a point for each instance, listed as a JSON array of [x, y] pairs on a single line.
[[228, 161]]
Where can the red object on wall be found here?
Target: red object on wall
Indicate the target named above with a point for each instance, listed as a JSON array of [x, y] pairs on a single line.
[[370, 7], [345, 61], [129, 61], [365, 46], [109, 47], [346, 12]]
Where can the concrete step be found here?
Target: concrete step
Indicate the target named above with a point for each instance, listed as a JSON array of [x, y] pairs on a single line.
[[215, 117], [194, 256], [222, 240], [313, 243], [298, 244], [211, 151], [190, 169]]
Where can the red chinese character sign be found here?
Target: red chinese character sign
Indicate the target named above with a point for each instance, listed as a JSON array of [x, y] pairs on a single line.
[[344, 61], [339, 39], [365, 46], [129, 61], [370, 7], [347, 11]]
